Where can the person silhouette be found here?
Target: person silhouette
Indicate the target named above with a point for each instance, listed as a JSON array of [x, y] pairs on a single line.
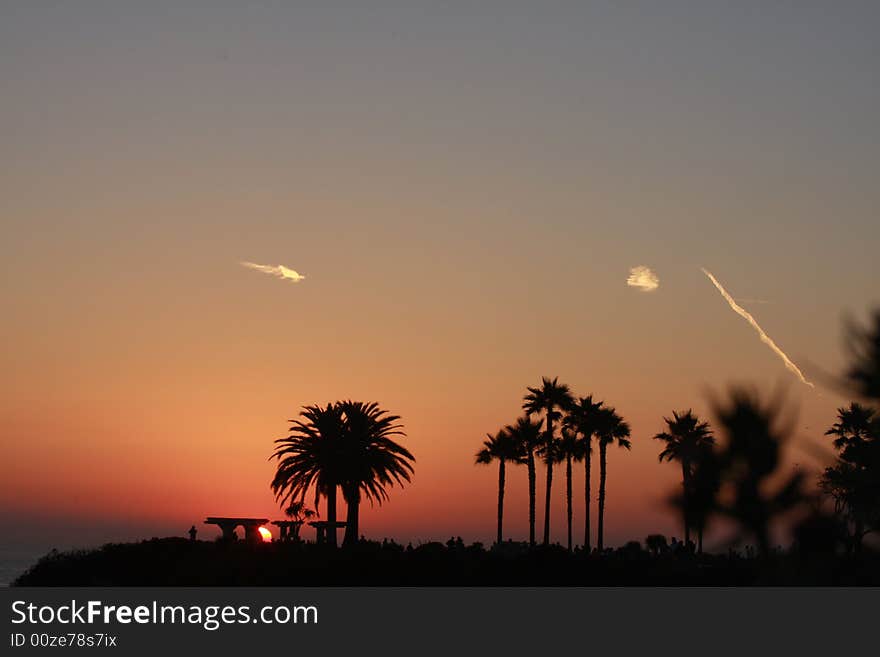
[[192, 533]]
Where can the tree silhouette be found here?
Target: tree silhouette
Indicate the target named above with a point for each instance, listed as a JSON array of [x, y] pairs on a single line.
[[611, 428], [736, 479], [548, 399], [582, 418], [528, 435], [570, 449], [298, 511], [345, 445], [863, 373], [372, 460], [686, 438], [310, 456], [854, 481], [501, 447], [656, 544]]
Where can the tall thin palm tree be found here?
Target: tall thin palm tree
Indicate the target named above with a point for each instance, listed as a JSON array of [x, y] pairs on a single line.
[[570, 449], [611, 428], [501, 447], [582, 418], [371, 459], [685, 440], [528, 435], [550, 398], [309, 457]]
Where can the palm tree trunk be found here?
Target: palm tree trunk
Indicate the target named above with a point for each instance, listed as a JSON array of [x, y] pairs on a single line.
[[587, 500], [331, 516], [532, 482], [686, 500], [500, 498], [549, 459], [352, 519], [858, 535], [600, 543], [568, 495]]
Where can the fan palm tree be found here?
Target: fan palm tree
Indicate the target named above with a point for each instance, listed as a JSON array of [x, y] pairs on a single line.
[[501, 447], [582, 418], [528, 435], [570, 449], [686, 437], [371, 459], [310, 457], [548, 399], [611, 428], [854, 481], [853, 427]]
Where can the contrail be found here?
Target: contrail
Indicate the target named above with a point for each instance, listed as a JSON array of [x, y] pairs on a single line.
[[279, 271], [766, 339]]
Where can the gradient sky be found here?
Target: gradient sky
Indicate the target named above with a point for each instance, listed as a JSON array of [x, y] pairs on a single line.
[[465, 188]]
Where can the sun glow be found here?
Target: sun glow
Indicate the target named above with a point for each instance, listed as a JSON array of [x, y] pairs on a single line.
[[266, 534]]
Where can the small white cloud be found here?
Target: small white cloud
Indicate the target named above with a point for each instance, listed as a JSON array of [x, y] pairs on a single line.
[[643, 278], [279, 271]]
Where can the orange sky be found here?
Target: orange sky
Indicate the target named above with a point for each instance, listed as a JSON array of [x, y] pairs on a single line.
[[464, 194]]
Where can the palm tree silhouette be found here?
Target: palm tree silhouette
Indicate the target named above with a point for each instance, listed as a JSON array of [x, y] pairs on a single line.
[[371, 459], [854, 426], [582, 418], [548, 399], [735, 479], [570, 449], [863, 373], [686, 438], [611, 428], [310, 456], [854, 481], [501, 447], [527, 434]]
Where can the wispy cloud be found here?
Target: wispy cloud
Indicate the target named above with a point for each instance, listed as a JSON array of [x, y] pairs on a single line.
[[766, 339], [643, 278], [279, 271]]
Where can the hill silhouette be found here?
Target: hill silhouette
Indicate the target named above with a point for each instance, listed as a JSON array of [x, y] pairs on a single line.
[[180, 562]]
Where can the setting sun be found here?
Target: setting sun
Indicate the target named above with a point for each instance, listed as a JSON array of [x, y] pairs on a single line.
[[266, 534]]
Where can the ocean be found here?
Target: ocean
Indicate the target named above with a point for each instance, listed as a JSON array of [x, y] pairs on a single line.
[[14, 562]]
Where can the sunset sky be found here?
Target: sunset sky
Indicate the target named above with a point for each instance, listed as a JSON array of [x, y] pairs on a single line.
[[464, 186]]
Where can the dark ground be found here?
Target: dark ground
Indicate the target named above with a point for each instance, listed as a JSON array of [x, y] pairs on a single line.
[[179, 562]]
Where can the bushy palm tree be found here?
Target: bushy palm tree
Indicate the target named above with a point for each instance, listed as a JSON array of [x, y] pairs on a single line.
[[863, 374], [372, 459], [685, 440], [854, 481], [310, 456], [611, 428], [528, 435], [582, 418], [347, 445], [855, 425], [502, 447], [550, 398], [570, 449]]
